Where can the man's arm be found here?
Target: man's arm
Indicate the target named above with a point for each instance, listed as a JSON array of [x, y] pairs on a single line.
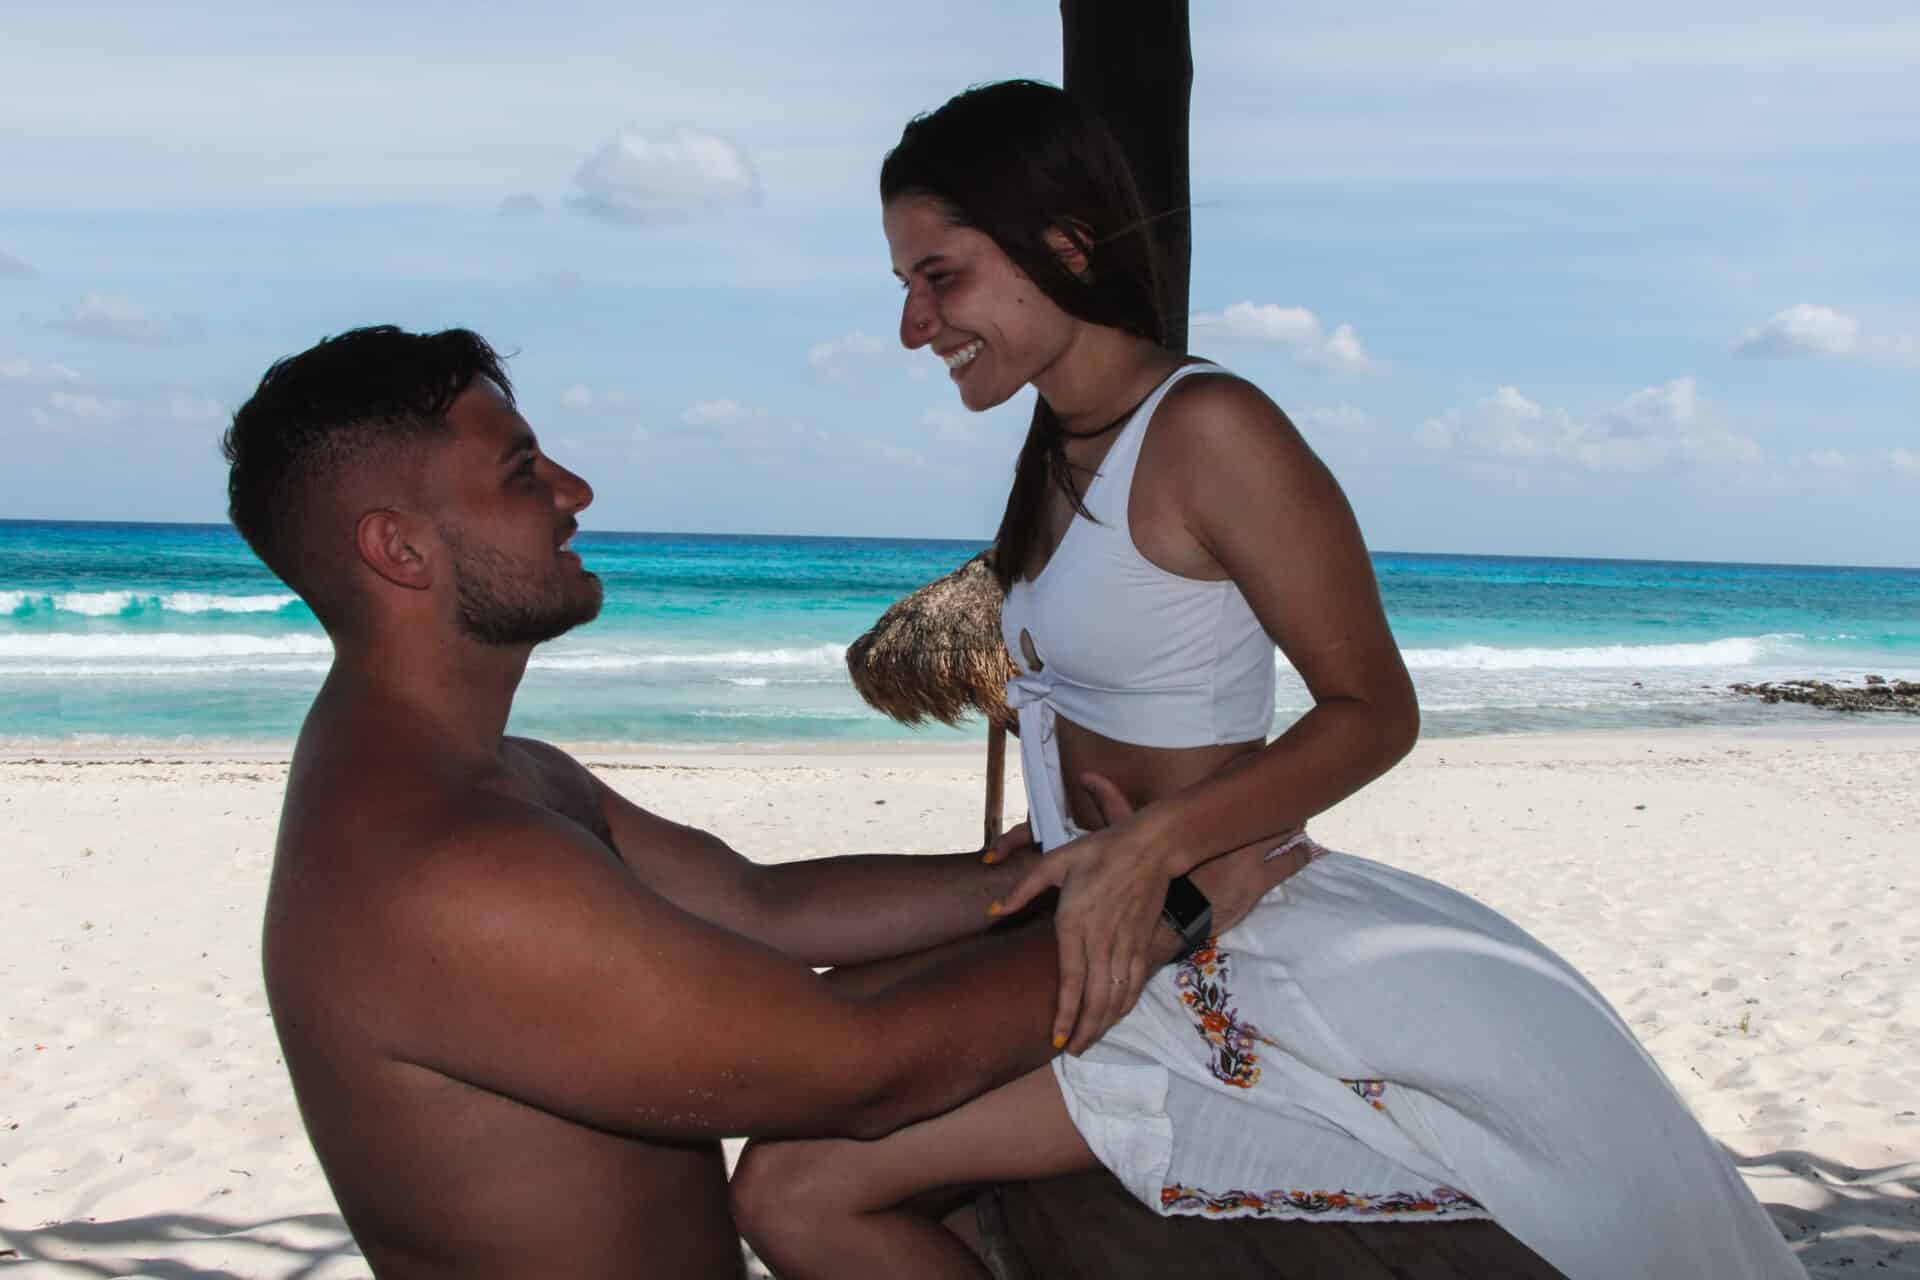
[[849, 909], [521, 958]]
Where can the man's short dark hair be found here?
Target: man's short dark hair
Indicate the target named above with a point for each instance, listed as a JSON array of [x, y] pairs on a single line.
[[333, 407]]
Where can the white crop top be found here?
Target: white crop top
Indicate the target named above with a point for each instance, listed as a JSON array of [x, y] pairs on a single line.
[[1125, 648]]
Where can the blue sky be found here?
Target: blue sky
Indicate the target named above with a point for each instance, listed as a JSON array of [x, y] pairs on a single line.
[[1641, 282]]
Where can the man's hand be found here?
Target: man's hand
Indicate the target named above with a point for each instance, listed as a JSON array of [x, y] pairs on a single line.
[[1235, 881], [1019, 839]]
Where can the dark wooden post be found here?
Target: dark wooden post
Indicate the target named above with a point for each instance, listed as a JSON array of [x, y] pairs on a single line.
[[996, 780], [1131, 62]]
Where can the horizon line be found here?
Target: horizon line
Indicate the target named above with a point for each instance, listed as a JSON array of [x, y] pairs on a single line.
[[589, 534]]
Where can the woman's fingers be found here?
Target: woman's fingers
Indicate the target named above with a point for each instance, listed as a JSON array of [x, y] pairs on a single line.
[[1094, 1003], [1048, 875], [1073, 983], [1106, 993]]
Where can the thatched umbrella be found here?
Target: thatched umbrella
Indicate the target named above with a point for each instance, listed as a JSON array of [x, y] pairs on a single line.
[[937, 654]]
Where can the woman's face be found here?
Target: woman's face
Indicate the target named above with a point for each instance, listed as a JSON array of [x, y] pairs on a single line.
[[983, 317]]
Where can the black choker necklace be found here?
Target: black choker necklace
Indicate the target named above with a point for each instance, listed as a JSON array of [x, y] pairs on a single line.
[[1100, 431]]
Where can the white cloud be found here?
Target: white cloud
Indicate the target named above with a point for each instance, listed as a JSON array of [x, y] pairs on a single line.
[[1341, 419], [1295, 328], [116, 319], [193, 407], [65, 410], [716, 413], [11, 266], [896, 455], [1898, 459], [831, 358], [582, 398], [672, 177], [28, 371], [1655, 425], [86, 405], [1807, 329], [1343, 352], [954, 428]]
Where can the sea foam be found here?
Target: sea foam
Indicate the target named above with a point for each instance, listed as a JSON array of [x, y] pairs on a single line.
[[111, 604], [820, 656], [202, 602], [1734, 651], [169, 646]]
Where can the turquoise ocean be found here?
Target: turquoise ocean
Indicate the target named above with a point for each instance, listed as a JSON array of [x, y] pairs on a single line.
[[116, 635]]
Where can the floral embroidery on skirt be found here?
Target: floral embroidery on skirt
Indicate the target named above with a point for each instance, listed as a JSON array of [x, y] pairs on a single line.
[[1238, 1204], [1202, 982], [1371, 1092]]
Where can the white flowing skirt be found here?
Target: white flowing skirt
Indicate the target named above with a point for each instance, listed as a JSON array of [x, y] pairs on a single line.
[[1369, 1045]]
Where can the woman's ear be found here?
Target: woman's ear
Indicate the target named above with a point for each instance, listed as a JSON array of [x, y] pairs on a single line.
[[1071, 255], [398, 546]]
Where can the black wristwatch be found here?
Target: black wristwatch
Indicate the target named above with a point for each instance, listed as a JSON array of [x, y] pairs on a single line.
[[1188, 913]]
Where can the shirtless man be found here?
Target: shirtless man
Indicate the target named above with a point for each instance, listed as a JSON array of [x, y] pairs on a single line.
[[519, 1012]]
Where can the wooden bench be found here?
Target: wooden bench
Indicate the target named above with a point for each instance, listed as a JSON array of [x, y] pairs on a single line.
[[1087, 1227]]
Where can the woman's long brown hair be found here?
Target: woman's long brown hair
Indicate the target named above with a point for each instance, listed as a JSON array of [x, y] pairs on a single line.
[[1015, 160]]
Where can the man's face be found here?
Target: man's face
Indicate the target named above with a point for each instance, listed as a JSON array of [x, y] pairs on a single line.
[[507, 518]]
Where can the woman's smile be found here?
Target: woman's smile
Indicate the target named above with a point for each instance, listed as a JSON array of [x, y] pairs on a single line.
[[960, 357]]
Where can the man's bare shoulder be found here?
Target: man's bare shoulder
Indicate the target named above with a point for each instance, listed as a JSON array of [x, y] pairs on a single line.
[[378, 862], [651, 843], [553, 764]]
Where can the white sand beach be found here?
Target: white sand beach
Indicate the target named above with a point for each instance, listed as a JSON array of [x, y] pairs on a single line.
[[1746, 899]]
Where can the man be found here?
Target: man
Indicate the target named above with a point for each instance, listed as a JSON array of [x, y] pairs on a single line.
[[519, 1012]]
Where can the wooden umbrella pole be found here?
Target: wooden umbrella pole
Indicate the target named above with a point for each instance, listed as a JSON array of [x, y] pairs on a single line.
[[996, 778]]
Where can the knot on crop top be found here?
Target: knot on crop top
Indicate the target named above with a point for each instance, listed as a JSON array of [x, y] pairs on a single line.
[[1118, 645]]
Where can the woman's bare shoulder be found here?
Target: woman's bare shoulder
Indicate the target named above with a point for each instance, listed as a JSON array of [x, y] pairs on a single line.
[[1217, 418]]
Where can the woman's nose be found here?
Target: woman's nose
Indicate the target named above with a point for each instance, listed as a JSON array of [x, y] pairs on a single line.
[[918, 323]]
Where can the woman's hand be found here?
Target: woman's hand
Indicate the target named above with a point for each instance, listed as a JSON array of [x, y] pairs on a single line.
[[1111, 897], [1109, 919]]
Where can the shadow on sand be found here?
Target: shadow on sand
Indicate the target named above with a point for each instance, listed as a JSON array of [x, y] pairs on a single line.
[[125, 1247], [1847, 1216]]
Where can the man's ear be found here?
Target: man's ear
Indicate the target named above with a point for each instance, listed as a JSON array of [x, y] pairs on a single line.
[[396, 545], [1071, 256]]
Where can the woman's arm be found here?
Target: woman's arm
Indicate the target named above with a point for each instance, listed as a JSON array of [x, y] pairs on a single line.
[[1257, 506], [1271, 515]]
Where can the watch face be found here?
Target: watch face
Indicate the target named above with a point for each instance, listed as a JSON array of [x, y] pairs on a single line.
[[1186, 906]]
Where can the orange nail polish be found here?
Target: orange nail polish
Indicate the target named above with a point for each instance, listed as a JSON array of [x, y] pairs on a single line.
[[1059, 1042], [995, 909]]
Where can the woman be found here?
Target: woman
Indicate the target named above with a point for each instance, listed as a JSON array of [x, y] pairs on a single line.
[[1366, 1043]]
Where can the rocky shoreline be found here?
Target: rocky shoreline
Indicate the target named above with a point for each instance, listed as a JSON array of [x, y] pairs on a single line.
[[1874, 694]]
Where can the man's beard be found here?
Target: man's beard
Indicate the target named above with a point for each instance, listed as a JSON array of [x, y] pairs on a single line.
[[500, 600]]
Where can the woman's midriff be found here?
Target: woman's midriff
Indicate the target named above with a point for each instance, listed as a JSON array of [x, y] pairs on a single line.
[[1143, 774]]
